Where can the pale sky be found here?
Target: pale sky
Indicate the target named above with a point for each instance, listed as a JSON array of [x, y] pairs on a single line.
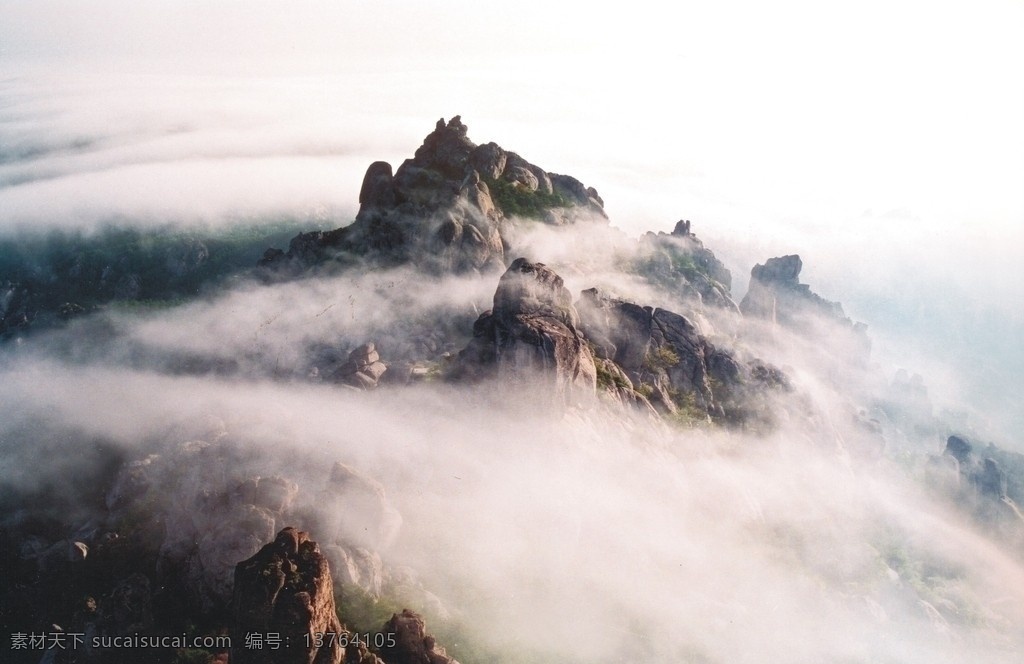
[[801, 105]]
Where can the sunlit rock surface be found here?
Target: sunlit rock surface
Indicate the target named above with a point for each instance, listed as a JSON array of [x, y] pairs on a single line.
[[286, 589]]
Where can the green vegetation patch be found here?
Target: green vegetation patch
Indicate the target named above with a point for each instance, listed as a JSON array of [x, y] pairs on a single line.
[[667, 265], [59, 274], [610, 380], [660, 358], [645, 390], [360, 612], [518, 201], [688, 414]]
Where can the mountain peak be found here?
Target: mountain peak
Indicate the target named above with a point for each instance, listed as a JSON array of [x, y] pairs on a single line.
[[446, 149], [452, 207]]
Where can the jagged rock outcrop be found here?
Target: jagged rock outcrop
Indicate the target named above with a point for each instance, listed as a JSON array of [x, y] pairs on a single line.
[[680, 262], [778, 279], [775, 294], [665, 358], [451, 208], [959, 449], [643, 356], [984, 473], [363, 369], [286, 589], [991, 480], [1012, 465], [412, 643], [531, 335]]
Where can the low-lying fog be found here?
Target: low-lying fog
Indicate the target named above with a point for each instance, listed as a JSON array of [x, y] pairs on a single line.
[[595, 537]]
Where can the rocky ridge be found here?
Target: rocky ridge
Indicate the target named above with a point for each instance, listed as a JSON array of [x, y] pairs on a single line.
[[990, 484], [189, 534], [457, 207], [644, 356]]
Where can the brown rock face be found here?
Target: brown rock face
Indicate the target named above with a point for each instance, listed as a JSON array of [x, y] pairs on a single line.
[[286, 589], [412, 644], [531, 333]]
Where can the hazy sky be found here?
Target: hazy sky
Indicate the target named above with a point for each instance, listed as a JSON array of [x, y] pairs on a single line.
[[819, 109]]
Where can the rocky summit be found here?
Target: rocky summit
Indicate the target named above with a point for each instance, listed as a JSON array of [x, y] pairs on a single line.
[[457, 207], [453, 207]]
